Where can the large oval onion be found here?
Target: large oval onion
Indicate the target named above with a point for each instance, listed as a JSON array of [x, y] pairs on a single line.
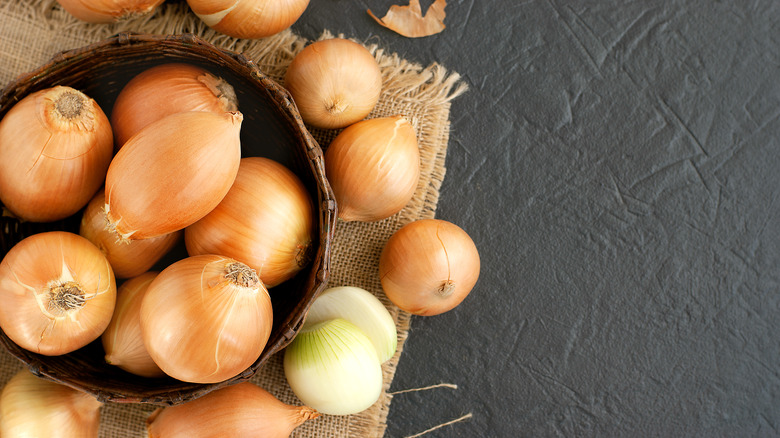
[[241, 410], [164, 90], [428, 266], [206, 318], [248, 18], [334, 83], [266, 221], [172, 173], [128, 259], [108, 11], [58, 293], [55, 147]]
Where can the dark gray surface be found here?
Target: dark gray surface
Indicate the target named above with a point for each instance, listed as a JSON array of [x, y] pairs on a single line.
[[616, 163]]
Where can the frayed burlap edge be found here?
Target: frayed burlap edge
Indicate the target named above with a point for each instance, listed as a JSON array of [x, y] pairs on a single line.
[[32, 31]]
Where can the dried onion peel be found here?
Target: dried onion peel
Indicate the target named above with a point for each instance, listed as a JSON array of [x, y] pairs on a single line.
[[409, 20]]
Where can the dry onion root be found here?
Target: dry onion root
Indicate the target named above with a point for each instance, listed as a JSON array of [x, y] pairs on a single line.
[[164, 90], [248, 18], [58, 293], [34, 407], [206, 318], [55, 147], [108, 11], [334, 83]]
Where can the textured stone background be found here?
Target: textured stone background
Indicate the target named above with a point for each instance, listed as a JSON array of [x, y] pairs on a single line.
[[616, 164]]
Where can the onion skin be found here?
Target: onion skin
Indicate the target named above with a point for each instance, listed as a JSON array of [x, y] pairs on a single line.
[[34, 407], [428, 267], [373, 167], [334, 83], [266, 221], [199, 325], [249, 19], [52, 164], [108, 11], [128, 259], [241, 410], [122, 340], [164, 90], [172, 173], [50, 320]]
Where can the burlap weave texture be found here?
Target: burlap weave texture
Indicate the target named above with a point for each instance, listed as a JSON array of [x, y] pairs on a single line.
[[32, 31]]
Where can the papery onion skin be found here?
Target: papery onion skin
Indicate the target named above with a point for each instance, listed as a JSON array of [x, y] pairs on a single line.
[[248, 19], [266, 221], [122, 340], [127, 258], [58, 293], [240, 410], [334, 83], [373, 167], [429, 266], [108, 11], [172, 173], [53, 154], [34, 407], [200, 324], [164, 90], [332, 366]]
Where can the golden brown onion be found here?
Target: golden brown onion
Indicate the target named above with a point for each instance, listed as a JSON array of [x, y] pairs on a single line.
[[266, 220], [373, 167], [122, 340], [241, 410], [58, 293], [33, 407], [55, 147], [206, 318], [428, 266], [334, 83], [172, 173], [248, 18], [164, 90], [129, 258]]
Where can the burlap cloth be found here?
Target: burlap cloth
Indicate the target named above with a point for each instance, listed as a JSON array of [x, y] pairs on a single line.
[[32, 31]]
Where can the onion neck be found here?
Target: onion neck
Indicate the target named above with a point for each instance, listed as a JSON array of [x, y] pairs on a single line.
[[445, 289]]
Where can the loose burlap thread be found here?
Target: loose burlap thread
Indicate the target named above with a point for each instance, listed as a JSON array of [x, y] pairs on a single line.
[[32, 31]]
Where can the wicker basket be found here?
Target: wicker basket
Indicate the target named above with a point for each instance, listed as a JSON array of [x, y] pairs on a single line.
[[272, 128]]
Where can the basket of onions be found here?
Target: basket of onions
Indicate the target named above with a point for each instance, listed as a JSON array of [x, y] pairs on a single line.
[[173, 200]]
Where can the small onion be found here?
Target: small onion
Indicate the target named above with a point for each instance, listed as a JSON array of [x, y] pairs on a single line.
[[55, 147], [241, 410], [334, 83], [108, 11], [428, 266], [164, 90], [248, 18], [266, 221], [206, 318], [332, 366], [373, 167], [172, 173], [58, 293], [34, 407], [129, 258], [122, 340]]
